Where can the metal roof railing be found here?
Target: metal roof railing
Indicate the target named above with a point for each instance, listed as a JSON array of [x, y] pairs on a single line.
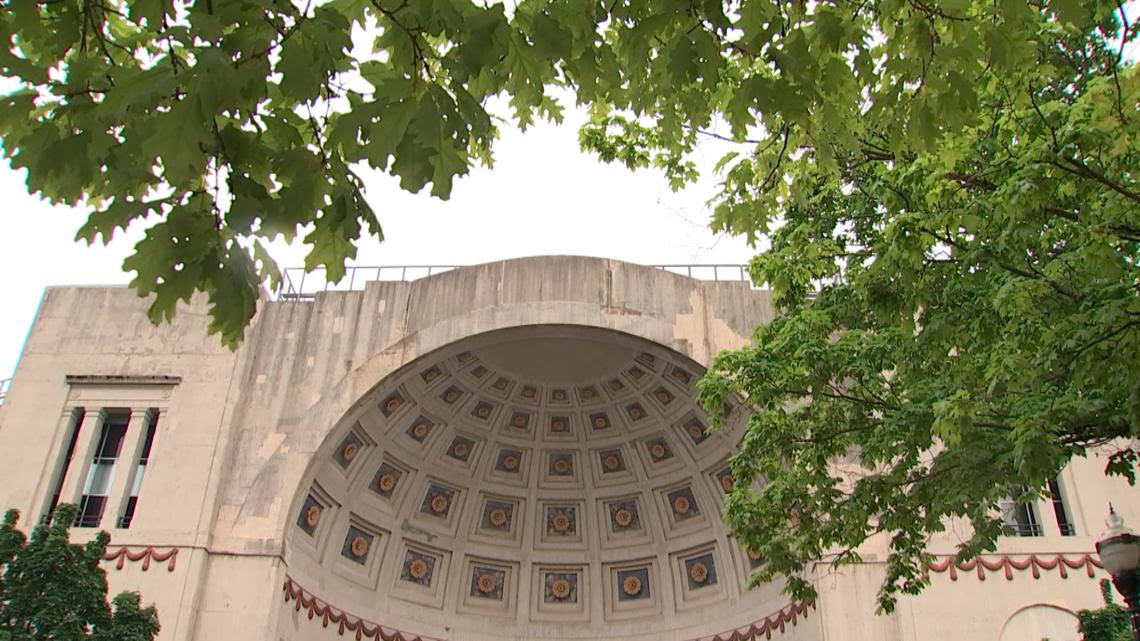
[[4, 385], [297, 284], [710, 271]]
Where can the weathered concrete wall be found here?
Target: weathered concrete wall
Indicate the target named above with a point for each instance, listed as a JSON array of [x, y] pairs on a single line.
[[104, 330], [312, 361]]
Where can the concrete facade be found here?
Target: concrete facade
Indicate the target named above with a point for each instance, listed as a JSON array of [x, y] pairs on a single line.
[[505, 451]]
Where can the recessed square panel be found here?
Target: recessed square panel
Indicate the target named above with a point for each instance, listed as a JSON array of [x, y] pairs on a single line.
[[560, 588], [612, 466], [559, 396], [681, 376], [451, 395], [420, 429], [558, 593], [487, 583], [562, 521], [600, 421], [561, 525], [663, 396], [317, 518], [588, 394], [418, 568], [682, 504], [700, 571], [560, 469], [611, 461], [509, 461], [520, 420], [631, 589], [348, 449], [497, 516], [392, 403], [697, 577], [695, 430], [624, 515], [437, 501], [635, 412], [510, 465], [421, 576], [310, 516], [499, 520], [461, 448], [615, 386], [633, 584], [357, 545], [488, 587], [483, 410], [560, 424], [658, 449], [479, 371], [386, 479], [560, 464], [529, 393], [361, 551], [622, 522], [683, 512], [647, 359], [431, 374], [724, 479]]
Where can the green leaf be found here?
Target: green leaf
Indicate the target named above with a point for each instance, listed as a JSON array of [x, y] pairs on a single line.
[[301, 79], [115, 216], [151, 12], [1073, 12], [179, 138], [232, 294]]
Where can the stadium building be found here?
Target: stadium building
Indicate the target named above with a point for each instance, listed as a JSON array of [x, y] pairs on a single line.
[[508, 451]]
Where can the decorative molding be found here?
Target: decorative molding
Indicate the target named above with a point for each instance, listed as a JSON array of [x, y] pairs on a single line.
[[1008, 564], [774, 623], [345, 622], [360, 628], [103, 379], [121, 554]]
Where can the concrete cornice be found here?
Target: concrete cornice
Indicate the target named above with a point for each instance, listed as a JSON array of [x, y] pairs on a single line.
[[125, 379]]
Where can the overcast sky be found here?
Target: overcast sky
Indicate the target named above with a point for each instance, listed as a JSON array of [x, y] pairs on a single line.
[[543, 196]]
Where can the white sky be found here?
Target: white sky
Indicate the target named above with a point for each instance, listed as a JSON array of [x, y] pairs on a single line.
[[543, 196]]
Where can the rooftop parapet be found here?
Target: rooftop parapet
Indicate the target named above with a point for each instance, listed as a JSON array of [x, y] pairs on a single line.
[[297, 284]]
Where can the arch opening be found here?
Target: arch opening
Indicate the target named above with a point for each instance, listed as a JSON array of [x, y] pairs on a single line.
[[547, 482]]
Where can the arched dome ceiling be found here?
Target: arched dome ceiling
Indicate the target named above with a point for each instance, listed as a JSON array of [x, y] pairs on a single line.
[[538, 476]]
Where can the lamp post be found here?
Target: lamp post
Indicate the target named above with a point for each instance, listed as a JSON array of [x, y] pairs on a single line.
[[1119, 550]]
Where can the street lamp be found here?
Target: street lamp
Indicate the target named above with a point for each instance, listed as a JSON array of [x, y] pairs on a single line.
[[1119, 550]]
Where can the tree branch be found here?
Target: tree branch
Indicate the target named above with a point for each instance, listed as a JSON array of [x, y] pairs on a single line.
[[1081, 169]]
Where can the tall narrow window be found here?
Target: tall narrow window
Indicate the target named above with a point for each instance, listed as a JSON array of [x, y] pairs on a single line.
[[102, 470], [140, 471], [1020, 518], [1059, 510], [73, 427]]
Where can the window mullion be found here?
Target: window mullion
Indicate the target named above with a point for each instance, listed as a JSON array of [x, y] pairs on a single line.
[[125, 471], [87, 444]]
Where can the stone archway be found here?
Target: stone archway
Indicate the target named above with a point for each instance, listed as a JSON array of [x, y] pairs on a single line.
[[551, 482], [1040, 621]]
